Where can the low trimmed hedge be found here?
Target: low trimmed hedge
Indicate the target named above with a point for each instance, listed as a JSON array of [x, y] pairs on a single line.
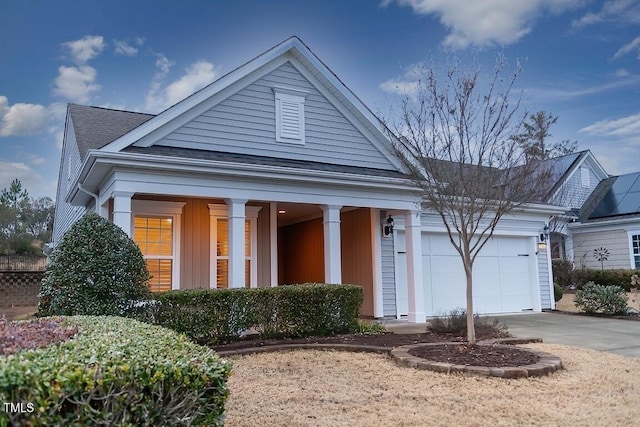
[[565, 275], [115, 371], [217, 316]]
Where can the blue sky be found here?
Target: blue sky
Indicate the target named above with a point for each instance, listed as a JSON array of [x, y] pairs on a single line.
[[581, 60]]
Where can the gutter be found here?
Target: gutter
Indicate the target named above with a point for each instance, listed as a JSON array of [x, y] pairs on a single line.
[[84, 190]]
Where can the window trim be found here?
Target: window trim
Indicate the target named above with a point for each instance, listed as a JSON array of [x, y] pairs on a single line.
[[165, 209], [291, 96], [632, 256], [217, 211]]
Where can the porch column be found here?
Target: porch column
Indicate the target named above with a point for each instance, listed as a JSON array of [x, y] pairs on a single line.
[[415, 282], [376, 262], [236, 242], [122, 210], [273, 242], [332, 257]]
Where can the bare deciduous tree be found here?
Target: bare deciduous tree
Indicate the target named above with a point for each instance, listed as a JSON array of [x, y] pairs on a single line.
[[455, 136]]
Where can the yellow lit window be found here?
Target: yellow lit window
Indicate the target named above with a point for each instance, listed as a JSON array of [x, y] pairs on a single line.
[[154, 236]]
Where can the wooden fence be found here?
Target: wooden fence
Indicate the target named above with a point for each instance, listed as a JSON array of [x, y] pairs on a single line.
[[22, 263]]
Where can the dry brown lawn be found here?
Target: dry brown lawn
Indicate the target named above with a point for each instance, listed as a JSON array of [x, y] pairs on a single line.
[[329, 388]]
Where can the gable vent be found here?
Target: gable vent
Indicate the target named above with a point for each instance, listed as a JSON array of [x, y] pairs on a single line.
[[289, 115]]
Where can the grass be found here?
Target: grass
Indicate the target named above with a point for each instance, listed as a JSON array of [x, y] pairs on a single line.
[[327, 388]]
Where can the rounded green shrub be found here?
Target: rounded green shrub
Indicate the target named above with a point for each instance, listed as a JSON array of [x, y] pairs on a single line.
[[609, 300], [95, 270], [557, 292], [115, 371]]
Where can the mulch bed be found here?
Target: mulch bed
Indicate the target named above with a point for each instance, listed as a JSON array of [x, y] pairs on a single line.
[[476, 355], [388, 340]]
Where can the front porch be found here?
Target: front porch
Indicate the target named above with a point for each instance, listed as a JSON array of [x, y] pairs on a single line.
[[195, 242]]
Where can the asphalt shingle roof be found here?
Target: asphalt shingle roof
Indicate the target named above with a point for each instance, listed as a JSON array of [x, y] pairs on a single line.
[[96, 127]]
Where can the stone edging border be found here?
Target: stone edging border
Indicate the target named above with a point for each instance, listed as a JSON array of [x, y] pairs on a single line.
[[547, 364]]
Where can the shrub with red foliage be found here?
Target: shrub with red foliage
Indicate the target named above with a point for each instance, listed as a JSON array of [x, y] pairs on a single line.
[[36, 333]]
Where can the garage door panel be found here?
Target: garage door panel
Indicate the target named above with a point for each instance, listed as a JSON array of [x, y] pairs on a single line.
[[486, 304], [486, 265], [486, 284], [438, 244], [511, 246], [442, 264], [448, 284], [502, 278], [514, 264]]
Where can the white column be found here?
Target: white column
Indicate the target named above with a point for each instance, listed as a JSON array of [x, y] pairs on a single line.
[[236, 243], [332, 257], [415, 282], [273, 242], [376, 262], [122, 210]]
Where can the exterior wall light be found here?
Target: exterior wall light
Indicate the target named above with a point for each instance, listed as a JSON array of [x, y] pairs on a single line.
[[388, 229]]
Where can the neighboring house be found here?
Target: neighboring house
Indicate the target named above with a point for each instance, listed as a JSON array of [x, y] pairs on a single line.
[[604, 212], [276, 174], [574, 178], [610, 218]]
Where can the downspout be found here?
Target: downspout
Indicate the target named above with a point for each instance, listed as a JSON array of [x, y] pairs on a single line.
[[95, 196]]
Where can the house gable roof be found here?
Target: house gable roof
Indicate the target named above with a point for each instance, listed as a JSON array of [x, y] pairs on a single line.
[[563, 169], [292, 50], [96, 127]]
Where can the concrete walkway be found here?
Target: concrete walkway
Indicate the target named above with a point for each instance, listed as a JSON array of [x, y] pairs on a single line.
[[596, 333]]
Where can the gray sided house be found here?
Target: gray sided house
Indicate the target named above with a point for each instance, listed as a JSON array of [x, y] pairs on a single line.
[[278, 174], [604, 212]]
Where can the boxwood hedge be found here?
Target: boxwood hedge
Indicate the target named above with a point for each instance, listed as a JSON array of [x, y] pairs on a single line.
[[218, 316], [115, 371]]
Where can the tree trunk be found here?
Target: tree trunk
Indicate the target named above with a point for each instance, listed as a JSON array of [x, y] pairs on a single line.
[[471, 329]]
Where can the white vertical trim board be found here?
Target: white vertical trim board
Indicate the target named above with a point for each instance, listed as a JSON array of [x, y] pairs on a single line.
[[222, 211], [376, 262]]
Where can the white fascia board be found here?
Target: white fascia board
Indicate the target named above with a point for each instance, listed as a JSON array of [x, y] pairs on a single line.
[[245, 170], [606, 225], [202, 186], [98, 164]]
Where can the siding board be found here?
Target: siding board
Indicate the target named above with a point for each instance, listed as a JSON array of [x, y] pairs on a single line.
[[66, 214], [616, 242], [245, 123]]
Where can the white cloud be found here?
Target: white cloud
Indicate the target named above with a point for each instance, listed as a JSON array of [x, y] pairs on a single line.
[[624, 127], [621, 11], [406, 84], [487, 22], [563, 91], [31, 180], [86, 48], [197, 76], [123, 47], [22, 119], [633, 45], [76, 83]]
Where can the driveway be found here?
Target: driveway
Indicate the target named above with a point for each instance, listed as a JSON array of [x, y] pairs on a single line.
[[596, 333]]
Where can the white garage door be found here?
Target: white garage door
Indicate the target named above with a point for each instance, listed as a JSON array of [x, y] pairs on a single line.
[[502, 275]]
